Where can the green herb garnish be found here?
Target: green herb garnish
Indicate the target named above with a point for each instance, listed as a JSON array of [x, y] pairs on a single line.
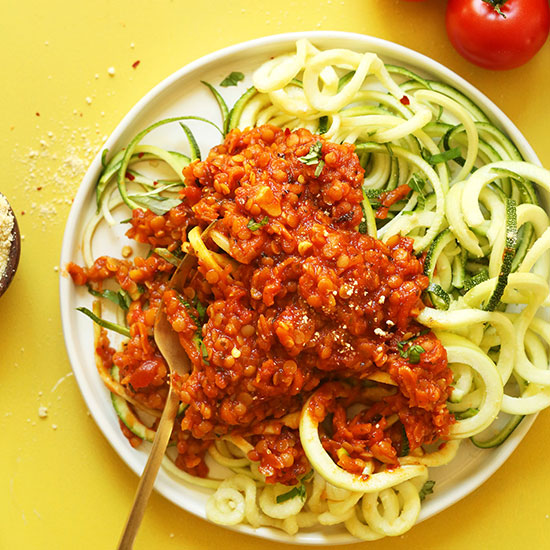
[[450, 154], [105, 324], [201, 346], [254, 225], [297, 491], [319, 168], [165, 254], [201, 310], [417, 184], [323, 124], [427, 489], [414, 353], [120, 298], [314, 155], [308, 476], [232, 79], [157, 204]]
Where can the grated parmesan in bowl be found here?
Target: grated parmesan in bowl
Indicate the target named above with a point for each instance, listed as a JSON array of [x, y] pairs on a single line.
[[10, 244]]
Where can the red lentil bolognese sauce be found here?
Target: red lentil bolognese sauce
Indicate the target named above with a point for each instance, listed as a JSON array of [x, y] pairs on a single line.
[[298, 301]]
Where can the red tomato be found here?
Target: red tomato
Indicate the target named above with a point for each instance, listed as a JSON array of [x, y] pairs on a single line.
[[496, 40]]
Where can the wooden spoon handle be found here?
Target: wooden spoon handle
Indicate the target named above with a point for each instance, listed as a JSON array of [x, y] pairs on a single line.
[[150, 471]]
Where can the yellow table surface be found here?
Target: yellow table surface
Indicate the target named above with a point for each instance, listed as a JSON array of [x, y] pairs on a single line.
[[61, 484]]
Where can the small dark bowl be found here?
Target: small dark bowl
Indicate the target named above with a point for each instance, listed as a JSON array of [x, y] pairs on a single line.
[[13, 256]]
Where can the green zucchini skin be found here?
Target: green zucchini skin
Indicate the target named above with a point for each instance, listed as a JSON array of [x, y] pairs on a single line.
[[501, 436]]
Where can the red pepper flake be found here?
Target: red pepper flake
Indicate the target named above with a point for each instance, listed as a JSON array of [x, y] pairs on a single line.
[[22, 212], [155, 183], [140, 154], [37, 113], [405, 100], [39, 188], [135, 64], [130, 176]]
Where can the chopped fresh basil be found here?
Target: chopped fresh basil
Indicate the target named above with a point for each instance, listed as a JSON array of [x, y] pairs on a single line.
[[105, 324], [120, 298], [157, 204], [450, 154], [201, 346], [141, 288], [314, 155], [308, 476], [297, 491], [204, 352], [232, 79], [372, 193], [417, 184], [319, 168], [323, 124], [165, 254], [201, 310], [427, 489], [414, 353], [254, 225]]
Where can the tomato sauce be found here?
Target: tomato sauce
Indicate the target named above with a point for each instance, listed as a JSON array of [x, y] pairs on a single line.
[[309, 303]]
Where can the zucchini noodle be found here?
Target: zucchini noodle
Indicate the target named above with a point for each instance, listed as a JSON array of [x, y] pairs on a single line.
[[471, 208]]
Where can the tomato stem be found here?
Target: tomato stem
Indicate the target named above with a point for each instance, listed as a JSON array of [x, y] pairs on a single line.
[[496, 6]]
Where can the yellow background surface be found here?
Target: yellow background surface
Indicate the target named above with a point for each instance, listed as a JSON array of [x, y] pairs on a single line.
[[61, 484]]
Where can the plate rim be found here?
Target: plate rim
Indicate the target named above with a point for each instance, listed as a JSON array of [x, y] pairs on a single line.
[[395, 50]]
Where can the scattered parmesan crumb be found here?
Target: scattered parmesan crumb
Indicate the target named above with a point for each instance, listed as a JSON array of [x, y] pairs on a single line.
[[89, 100], [111, 71], [54, 426], [43, 412], [382, 299], [380, 332]]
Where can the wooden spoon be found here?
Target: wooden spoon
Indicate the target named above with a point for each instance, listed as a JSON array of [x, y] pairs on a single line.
[[168, 343], [13, 255]]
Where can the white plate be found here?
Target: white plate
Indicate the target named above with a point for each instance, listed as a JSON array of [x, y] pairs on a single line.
[[182, 94]]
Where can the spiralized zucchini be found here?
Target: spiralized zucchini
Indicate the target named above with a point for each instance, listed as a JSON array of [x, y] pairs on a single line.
[[474, 211]]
